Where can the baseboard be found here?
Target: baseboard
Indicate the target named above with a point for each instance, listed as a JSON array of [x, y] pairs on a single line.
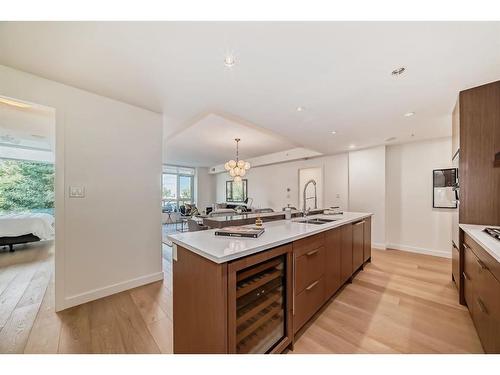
[[380, 246], [94, 294], [419, 250]]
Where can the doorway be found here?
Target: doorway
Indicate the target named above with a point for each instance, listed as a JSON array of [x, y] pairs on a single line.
[[27, 216]]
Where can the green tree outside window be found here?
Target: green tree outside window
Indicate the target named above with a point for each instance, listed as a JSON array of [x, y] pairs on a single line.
[[26, 186]]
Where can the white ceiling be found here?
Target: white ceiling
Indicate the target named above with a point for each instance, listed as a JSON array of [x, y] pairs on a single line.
[[210, 141], [32, 127], [338, 71]]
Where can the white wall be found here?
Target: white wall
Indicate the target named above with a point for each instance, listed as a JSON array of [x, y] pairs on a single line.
[[412, 223], [267, 185], [110, 240], [205, 189], [367, 188]]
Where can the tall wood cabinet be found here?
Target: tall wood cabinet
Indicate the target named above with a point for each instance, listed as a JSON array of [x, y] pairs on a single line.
[[479, 138], [476, 142]]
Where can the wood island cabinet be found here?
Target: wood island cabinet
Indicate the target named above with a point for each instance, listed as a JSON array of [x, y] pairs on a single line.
[[257, 303], [367, 245], [346, 253], [333, 245], [358, 240]]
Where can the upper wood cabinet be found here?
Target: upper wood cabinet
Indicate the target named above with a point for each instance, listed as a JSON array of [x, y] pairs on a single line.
[[479, 143], [455, 130]]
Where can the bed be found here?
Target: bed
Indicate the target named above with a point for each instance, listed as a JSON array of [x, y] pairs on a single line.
[[23, 228]]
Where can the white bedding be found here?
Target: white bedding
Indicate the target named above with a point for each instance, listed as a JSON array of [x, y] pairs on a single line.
[[41, 225]]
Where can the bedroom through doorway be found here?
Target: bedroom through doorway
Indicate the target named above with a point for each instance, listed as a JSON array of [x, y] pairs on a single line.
[[27, 218]]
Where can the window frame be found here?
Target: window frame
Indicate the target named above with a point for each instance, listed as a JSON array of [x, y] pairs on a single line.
[[229, 197], [174, 171]]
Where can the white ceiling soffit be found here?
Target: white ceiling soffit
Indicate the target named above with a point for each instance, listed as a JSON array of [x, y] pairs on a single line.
[[339, 72], [274, 158], [210, 141], [30, 127]]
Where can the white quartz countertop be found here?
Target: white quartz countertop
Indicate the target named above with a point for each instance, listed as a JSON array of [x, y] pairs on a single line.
[[490, 244], [221, 249]]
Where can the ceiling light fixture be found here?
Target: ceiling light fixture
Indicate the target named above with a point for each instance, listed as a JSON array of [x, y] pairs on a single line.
[[352, 146], [237, 168], [334, 132], [229, 61], [390, 139], [14, 103], [397, 72], [409, 114], [300, 109]]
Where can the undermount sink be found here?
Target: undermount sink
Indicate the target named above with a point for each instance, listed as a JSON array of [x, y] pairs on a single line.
[[316, 220]]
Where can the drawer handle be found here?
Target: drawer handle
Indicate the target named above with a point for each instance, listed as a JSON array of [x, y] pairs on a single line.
[[466, 246], [482, 307], [312, 285], [360, 222], [465, 276], [481, 264], [312, 252]]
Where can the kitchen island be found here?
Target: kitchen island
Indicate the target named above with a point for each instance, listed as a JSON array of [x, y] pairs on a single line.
[[253, 295]]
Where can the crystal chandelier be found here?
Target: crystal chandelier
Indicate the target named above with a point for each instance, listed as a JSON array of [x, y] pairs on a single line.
[[237, 168]]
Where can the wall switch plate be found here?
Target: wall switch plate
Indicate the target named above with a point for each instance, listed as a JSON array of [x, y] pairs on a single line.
[[77, 192]]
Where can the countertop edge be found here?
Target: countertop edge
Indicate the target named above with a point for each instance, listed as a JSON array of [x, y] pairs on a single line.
[[271, 245], [471, 230]]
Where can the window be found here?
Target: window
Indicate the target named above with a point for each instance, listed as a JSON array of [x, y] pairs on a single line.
[[236, 191], [26, 186], [178, 187]]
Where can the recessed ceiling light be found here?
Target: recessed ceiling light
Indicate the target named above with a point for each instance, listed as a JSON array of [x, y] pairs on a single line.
[[352, 146], [334, 132], [229, 61], [300, 109], [409, 114], [397, 72]]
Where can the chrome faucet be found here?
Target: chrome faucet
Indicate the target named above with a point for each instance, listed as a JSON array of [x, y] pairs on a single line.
[[304, 199]]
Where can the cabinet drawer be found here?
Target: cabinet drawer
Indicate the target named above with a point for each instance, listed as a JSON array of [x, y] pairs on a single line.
[[308, 302], [304, 245], [308, 268], [486, 259], [487, 311], [470, 276]]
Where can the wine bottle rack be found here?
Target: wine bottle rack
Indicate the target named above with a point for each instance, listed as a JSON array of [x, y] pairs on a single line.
[[260, 305]]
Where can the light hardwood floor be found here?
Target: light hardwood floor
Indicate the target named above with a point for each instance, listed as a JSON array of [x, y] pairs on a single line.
[[400, 303]]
